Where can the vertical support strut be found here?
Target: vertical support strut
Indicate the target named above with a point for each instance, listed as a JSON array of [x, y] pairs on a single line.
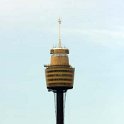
[[60, 107]]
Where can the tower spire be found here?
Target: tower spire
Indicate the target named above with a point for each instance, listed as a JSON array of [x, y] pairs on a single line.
[[59, 43]]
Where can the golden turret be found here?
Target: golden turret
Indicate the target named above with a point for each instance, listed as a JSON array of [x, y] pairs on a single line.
[[59, 74]]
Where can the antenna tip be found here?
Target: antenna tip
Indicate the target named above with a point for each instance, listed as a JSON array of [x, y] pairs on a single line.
[[59, 20]]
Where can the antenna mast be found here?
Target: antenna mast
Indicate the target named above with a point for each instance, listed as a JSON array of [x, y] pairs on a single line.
[[59, 44]]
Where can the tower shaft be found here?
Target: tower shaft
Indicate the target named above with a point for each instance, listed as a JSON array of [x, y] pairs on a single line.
[[60, 107]]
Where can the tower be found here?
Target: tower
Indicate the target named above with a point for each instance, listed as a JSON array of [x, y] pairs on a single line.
[[59, 76]]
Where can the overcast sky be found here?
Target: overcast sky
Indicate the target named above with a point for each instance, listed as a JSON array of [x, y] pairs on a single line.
[[93, 30]]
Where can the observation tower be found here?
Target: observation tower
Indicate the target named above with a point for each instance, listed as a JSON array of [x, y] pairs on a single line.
[[59, 76]]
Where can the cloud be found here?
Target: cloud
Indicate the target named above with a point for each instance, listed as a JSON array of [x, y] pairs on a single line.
[[104, 37], [109, 38], [92, 19]]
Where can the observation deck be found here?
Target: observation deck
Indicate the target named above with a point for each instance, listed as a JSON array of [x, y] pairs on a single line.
[[59, 73]]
